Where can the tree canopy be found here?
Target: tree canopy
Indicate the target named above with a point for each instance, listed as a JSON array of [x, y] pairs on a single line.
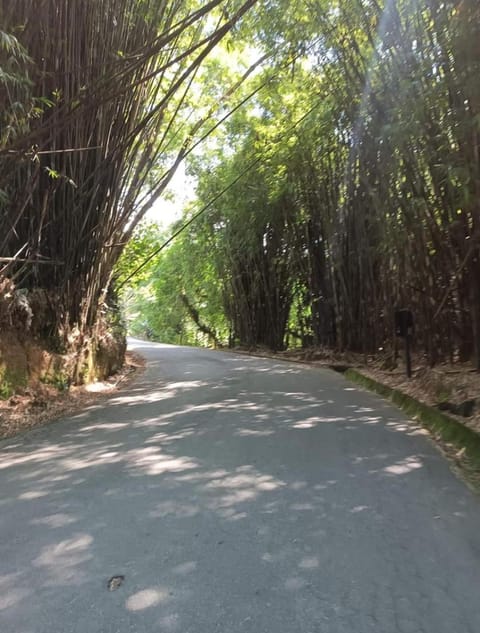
[[98, 108], [360, 149], [335, 146]]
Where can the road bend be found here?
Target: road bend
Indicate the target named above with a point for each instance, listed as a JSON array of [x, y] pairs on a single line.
[[220, 492]]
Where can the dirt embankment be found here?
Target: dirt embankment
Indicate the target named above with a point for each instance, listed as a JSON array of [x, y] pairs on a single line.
[[26, 361], [38, 342], [41, 367], [41, 402]]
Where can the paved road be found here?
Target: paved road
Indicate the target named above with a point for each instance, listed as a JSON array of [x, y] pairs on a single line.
[[235, 495]]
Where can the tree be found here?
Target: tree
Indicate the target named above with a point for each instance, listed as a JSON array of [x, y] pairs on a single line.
[[360, 185], [101, 134]]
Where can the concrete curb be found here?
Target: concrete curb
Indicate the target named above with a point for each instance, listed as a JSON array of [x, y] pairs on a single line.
[[448, 428]]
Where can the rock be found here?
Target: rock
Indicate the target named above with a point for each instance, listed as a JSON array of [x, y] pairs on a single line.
[[464, 409], [444, 406], [115, 582]]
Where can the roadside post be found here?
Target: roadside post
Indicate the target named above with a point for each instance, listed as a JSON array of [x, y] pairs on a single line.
[[404, 329]]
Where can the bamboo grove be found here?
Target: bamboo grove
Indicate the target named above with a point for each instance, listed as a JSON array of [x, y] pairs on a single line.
[[95, 116], [362, 190]]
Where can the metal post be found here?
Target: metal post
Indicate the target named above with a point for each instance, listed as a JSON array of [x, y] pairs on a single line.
[[408, 359]]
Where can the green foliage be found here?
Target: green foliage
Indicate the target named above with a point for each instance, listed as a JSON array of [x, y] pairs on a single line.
[[10, 381], [6, 390], [347, 183], [59, 380], [99, 103], [153, 302], [146, 239], [359, 153]]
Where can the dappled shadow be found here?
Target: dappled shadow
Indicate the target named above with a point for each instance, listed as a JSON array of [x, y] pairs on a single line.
[[237, 495]]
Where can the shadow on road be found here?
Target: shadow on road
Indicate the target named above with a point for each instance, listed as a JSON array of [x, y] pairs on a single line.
[[209, 495]]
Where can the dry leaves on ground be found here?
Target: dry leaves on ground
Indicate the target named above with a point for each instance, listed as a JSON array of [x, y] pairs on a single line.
[[42, 403]]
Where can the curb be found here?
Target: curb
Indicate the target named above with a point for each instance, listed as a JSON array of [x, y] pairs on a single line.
[[447, 428]]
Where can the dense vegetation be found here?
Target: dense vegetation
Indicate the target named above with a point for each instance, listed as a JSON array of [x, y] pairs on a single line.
[[335, 145], [96, 113], [349, 182]]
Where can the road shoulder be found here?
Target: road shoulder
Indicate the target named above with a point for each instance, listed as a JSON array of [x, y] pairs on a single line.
[[45, 404]]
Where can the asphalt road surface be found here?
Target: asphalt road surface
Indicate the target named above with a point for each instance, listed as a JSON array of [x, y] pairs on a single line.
[[235, 495]]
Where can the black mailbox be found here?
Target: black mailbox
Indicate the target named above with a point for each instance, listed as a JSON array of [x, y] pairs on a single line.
[[403, 323]]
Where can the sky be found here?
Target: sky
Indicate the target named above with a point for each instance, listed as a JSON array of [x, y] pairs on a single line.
[[169, 207]]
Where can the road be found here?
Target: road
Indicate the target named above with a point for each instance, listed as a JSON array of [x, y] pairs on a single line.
[[237, 495]]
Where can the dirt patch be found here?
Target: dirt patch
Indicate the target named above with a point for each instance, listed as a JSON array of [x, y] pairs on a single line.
[[42, 403]]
